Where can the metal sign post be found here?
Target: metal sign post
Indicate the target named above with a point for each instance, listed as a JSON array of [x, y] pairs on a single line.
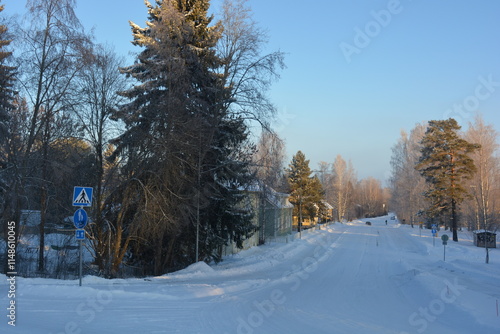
[[81, 264], [80, 236], [434, 231], [444, 237], [82, 197]]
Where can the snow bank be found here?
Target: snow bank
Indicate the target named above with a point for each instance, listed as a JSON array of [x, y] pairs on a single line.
[[199, 269]]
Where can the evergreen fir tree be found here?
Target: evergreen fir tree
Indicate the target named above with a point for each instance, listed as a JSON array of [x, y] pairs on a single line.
[[445, 164], [184, 152], [226, 172]]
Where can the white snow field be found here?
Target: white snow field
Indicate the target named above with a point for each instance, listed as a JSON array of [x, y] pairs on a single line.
[[345, 278]]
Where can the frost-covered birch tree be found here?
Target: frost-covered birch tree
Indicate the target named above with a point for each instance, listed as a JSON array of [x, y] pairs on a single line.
[[406, 183], [269, 160], [481, 207], [343, 179]]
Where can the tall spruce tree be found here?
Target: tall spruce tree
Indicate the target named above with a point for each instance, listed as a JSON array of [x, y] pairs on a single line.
[[445, 163], [184, 153]]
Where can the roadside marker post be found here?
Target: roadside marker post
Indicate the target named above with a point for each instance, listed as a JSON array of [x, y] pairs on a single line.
[[82, 197], [444, 238], [434, 232]]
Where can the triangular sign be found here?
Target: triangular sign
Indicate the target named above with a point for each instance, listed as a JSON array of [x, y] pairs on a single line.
[[82, 198]]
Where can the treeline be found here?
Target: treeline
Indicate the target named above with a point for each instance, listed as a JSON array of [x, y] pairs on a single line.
[[331, 192], [164, 142], [351, 197], [442, 175]]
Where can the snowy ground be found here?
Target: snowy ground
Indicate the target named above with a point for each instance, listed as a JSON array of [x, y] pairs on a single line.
[[347, 278]]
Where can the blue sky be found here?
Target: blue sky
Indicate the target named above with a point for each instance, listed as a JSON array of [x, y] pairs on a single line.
[[357, 71]]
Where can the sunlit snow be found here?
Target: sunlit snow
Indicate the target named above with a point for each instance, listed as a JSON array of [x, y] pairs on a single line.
[[344, 278]]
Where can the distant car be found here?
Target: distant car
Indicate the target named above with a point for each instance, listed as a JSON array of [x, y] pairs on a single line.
[[393, 218], [368, 223]]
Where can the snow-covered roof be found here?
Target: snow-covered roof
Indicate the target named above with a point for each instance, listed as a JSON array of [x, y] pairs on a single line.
[[327, 205], [483, 231], [279, 200]]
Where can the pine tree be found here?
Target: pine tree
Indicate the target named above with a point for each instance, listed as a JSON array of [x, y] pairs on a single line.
[[445, 163], [315, 205], [306, 191]]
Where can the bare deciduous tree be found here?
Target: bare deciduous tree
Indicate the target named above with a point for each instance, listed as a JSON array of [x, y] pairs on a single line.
[[406, 183], [343, 179], [482, 185], [248, 73], [54, 49], [369, 198], [269, 160], [99, 82]]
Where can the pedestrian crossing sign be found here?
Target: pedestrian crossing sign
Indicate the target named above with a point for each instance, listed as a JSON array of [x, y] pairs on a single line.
[[82, 196]]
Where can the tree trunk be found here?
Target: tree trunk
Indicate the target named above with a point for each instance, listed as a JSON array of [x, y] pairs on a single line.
[[44, 195], [43, 217], [300, 216], [454, 219]]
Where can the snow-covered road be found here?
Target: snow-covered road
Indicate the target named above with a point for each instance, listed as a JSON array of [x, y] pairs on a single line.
[[346, 278]]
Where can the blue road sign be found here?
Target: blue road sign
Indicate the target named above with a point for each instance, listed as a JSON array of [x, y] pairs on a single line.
[[80, 234], [82, 196], [80, 218]]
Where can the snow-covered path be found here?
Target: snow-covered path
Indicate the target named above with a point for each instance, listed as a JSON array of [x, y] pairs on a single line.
[[349, 278]]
